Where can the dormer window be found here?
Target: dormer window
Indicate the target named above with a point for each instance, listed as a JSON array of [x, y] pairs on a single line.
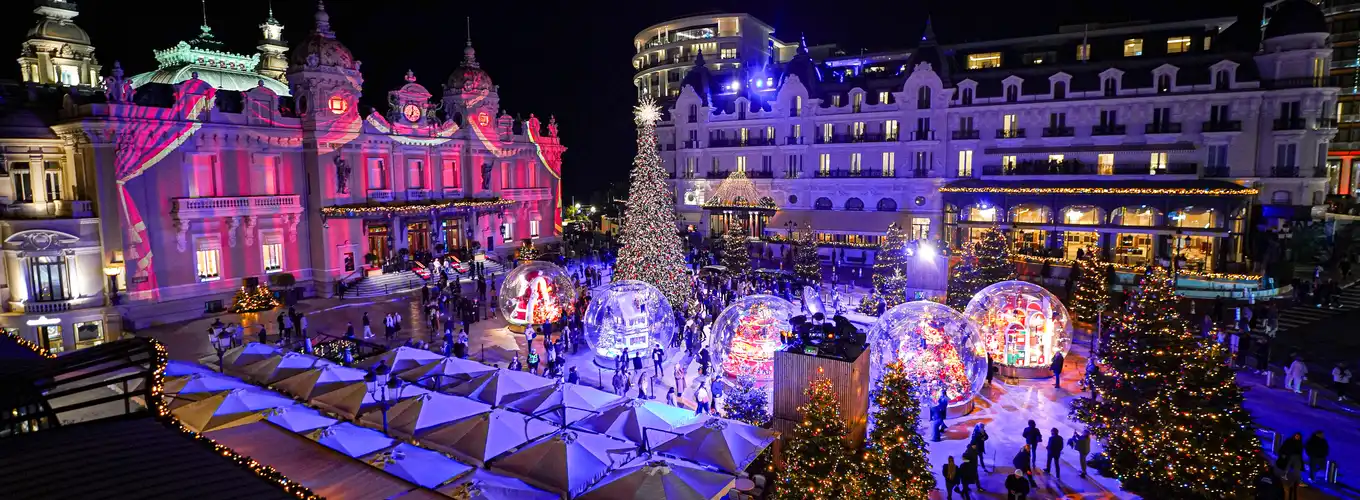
[[1059, 90], [1221, 81], [1109, 86], [967, 97], [1163, 83], [1012, 93], [923, 97], [693, 113]]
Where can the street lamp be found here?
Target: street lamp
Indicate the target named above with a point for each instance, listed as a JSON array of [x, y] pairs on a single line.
[[384, 388], [113, 271], [221, 343]]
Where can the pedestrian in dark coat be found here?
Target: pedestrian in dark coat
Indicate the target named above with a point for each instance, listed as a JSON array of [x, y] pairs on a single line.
[[951, 477], [979, 440], [1052, 460], [1017, 488], [968, 475], [1057, 367], [1081, 443], [1317, 454], [1033, 436], [938, 413], [1023, 463]]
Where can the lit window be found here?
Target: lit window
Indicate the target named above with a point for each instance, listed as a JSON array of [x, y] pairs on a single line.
[[1009, 123], [70, 75], [1133, 47], [507, 231], [1158, 163], [1055, 158], [836, 101], [23, 186], [824, 163], [272, 255], [984, 60], [965, 163], [338, 105], [858, 131], [1176, 45], [1084, 52], [920, 228], [209, 264], [889, 163], [729, 54], [827, 131], [745, 135], [533, 229], [1105, 164], [741, 164], [854, 162], [883, 97], [1008, 162], [53, 180], [890, 130]]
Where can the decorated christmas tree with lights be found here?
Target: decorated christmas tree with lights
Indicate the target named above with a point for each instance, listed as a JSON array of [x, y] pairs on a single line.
[[746, 402], [751, 352], [526, 251], [252, 299], [985, 261], [736, 256], [1091, 295], [1166, 406], [896, 460], [806, 263], [817, 462], [890, 268], [652, 251]]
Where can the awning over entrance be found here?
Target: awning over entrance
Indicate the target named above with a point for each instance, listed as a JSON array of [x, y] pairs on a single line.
[[837, 221]]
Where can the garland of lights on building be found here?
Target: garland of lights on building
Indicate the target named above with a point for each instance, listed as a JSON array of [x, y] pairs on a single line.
[[410, 208], [651, 251], [29, 344], [1107, 190], [1136, 269]]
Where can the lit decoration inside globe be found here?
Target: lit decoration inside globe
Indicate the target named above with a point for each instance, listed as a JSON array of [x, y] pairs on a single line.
[[629, 314], [535, 293], [747, 334], [1022, 325], [938, 346]]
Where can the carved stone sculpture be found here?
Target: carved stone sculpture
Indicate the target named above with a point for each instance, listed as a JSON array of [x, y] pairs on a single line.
[[342, 171], [486, 176], [233, 223]]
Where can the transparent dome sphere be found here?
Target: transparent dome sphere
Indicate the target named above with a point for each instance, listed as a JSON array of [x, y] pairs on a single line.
[[938, 346], [1021, 323], [629, 314], [748, 332], [535, 293]]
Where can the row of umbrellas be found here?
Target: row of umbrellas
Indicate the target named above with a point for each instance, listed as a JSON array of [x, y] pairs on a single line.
[[566, 438]]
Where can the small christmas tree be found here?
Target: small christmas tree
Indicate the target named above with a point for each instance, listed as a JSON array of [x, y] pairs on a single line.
[[1091, 294], [736, 256], [806, 263], [896, 458], [526, 251], [252, 299], [746, 402], [651, 250], [817, 463], [985, 262], [890, 267], [1167, 407], [869, 304]]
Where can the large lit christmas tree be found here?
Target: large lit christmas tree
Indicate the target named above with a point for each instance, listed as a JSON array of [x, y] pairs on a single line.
[[747, 402], [890, 267], [1091, 294], [1167, 408], [652, 251], [817, 462], [896, 456], [806, 263], [985, 261], [736, 256]]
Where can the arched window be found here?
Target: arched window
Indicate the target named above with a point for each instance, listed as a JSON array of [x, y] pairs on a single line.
[[967, 97], [887, 205], [1141, 216], [1082, 215], [1194, 217], [1012, 93], [1109, 87], [980, 213], [1059, 90], [1221, 80], [822, 203], [1281, 198], [1163, 83], [923, 97], [854, 205], [1029, 213]]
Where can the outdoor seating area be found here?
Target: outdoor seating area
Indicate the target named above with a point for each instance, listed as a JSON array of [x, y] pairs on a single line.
[[453, 427]]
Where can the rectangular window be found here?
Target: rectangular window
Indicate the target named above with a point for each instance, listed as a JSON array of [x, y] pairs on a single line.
[[966, 123], [1218, 113], [209, 264], [1009, 123], [1319, 67], [1105, 164], [1084, 52], [691, 167], [965, 163], [205, 176], [23, 186], [741, 164], [1133, 47], [272, 256], [1285, 155], [1177, 44], [984, 60], [1008, 162], [890, 129], [745, 135], [1109, 117], [827, 131], [449, 174], [769, 132], [507, 232], [1207, 42], [717, 166], [1161, 116], [922, 162], [1057, 120], [533, 229], [1218, 155], [269, 175], [920, 228], [858, 131], [836, 101], [882, 97], [889, 163], [728, 54], [1055, 158], [1035, 58], [1158, 163], [415, 169], [47, 279], [377, 174], [70, 75], [824, 163], [52, 180], [858, 101], [854, 163], [797, 106], [797, 133]]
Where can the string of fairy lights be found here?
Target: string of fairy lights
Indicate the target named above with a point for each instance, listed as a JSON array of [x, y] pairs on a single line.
[[411, 208], [1236, 191], [651, 249], [29, 344]]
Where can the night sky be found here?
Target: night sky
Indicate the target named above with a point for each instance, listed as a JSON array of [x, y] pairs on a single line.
[[565, 58]]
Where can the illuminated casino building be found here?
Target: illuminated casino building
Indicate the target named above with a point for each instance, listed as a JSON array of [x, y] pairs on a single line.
[[1147, 141], [143, 199]]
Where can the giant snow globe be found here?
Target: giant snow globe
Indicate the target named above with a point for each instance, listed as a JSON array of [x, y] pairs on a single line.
[[939, 348], [748, 332], [630, 315], [1022, 325], [535, 293]]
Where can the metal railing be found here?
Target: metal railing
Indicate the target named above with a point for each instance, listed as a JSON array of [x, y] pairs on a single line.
[[1018, 133], [960, 135], [1222, 126], [1289, 171], [1290, 123], [49, 392], [1110, 129], [1162, 128], [1059, 132]]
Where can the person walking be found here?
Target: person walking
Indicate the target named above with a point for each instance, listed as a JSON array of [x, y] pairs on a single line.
[[968, 475], [1053, 459], [1290, 461], [1033, 436], [979, 441], [716, 390], [1057, 366], [1341, 377], [701, 399], [1295, 375], [368, 331], [1317, 455], [951, 478], [937, 416], [991, 370], [302, 326], [1081, 443], [618, 382], [1017, 488], [533, 361], [642, 389], [680, 377]]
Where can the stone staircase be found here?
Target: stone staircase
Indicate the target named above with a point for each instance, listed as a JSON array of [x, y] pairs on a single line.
[[1306, 314], [385, 284]]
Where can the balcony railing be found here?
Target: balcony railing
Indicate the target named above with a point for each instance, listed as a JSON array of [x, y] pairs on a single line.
[[417, 194], [1290, 123], [1018, 133], [963, 135], [1287, 171], [921, 135], [1296, 83], [738, 143], [1079, 168], [1109, 129], [236, 206], [380, 195], [1222, 126], [1218, 171], [793, 139], [56, 306], [690, 145], [1162, 128], [1326, 123], [843, 174], [1059, 132]]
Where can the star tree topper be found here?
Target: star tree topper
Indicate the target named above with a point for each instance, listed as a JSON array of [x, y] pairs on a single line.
[[647, 112]]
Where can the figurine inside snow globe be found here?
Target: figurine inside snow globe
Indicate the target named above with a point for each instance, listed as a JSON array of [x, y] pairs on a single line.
[[939, 348], [630, 315], [747, 334], [536, 293], [1023, 326]]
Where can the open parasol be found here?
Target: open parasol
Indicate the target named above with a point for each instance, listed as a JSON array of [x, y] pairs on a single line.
[[726, 444]]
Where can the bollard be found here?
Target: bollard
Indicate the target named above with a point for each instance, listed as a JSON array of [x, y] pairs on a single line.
[[1277, 440], [1331, 472], [1312, 398], [1270, 379]]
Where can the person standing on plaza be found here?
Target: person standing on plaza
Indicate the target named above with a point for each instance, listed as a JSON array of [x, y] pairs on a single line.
[[368, 330], [703, 361], [658, 356], [991, 370], [1081, 443], [533, 361], [1290, 461], [968, 475], [1033, 436], [302, 326], [1295, 375], [515, 364], [1318, 450], [1057, 366], [951, 477], [938, 412], [264, 335], [617, 382], [680, 377], [979, 441], [1024, 464], [1053, 459], [701, 399], [670, 397], [1017, 488], [462, 347], [573, 377], [642, 388], [1341, 378]]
